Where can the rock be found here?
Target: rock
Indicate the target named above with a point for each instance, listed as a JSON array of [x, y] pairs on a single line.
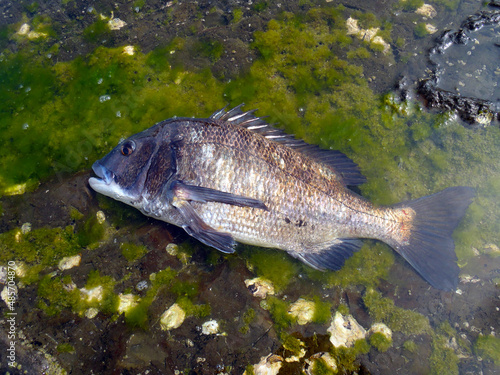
[[172, 318], [345, 330], [129, 50], [101, 217], [329, 363], [69, 262], [91, 313], [269, 365], [210, 328], [116, 24], [427, 10], [260, 287], [302, 310], [464, 78], [381, 328], [127, 302], [369, 35], [26, 228], [93, 294], [431, 29]]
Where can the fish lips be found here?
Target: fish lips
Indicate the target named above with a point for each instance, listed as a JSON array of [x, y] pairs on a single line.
[[105, 176]]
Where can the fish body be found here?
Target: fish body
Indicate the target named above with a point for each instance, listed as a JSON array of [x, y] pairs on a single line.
[[233, 178]]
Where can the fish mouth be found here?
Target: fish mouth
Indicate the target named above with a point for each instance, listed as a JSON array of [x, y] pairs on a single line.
[[104, 175], [106, 184]]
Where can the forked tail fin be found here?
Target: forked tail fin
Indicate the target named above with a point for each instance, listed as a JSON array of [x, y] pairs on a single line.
[[430, 248]]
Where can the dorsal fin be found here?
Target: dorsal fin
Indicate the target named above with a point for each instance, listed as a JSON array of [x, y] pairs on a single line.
[[341, 164]]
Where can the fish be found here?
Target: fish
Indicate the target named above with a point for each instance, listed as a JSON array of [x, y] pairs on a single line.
[[233, 178]]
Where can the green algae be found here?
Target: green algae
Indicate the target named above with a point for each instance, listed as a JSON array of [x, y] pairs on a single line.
[[39, 248], [132, 252], [322, 311], [279, 313], [488, 346], [247, 318], [138, 316], [346, 358], [396, 318], [210, 48], [366, 267], [65, 348], [410, 346], [443, 359], [192, 309], [275, 266], [108, 303], [97, 31], [54, 295], [91, 231], [380, 341], [420, 30]]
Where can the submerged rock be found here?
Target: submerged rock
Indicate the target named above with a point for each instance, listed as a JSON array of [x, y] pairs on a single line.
[[303, 311], [127, 302], [172, 318], [324, 359], [69, 262], [345, 330], [369, 35], [269, 365], [260, 287], [465, 78], [427, 10], [210, 328]]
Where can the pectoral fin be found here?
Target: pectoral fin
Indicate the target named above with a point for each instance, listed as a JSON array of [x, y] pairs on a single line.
[[197, 228], [203, 194], [332, 257]]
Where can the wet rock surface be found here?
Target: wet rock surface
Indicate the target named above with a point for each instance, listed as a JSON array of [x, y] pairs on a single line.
[[256, 322], [102, 344], [463, 79]]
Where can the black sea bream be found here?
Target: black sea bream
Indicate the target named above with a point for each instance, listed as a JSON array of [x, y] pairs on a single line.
[[232, 177]]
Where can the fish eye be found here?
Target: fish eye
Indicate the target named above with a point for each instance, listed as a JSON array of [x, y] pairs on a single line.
[[128, 147]]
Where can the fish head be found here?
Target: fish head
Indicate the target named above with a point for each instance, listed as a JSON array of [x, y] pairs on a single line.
[[123, 173]]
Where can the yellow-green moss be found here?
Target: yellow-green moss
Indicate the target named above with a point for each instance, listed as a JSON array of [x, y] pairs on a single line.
[[65, 348], [380, 341], [411, 346], [322, 311], [276, 266], [398, 319], [132, 252], [248, 317], [54, 295], [488, 347], [39, 248], [91, 231]]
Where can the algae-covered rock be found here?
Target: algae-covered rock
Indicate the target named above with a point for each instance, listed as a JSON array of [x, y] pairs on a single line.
[[320, 363]]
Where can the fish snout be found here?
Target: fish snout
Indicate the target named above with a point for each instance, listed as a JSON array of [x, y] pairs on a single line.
[[103, 173]]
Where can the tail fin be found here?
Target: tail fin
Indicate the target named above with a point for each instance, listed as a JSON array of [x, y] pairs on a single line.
[[430, 249]]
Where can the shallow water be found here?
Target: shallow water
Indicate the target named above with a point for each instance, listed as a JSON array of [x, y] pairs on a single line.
[[70, 96]]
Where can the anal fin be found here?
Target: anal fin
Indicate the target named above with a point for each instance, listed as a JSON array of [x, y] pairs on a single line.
[[197, 228], [331, 257]]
